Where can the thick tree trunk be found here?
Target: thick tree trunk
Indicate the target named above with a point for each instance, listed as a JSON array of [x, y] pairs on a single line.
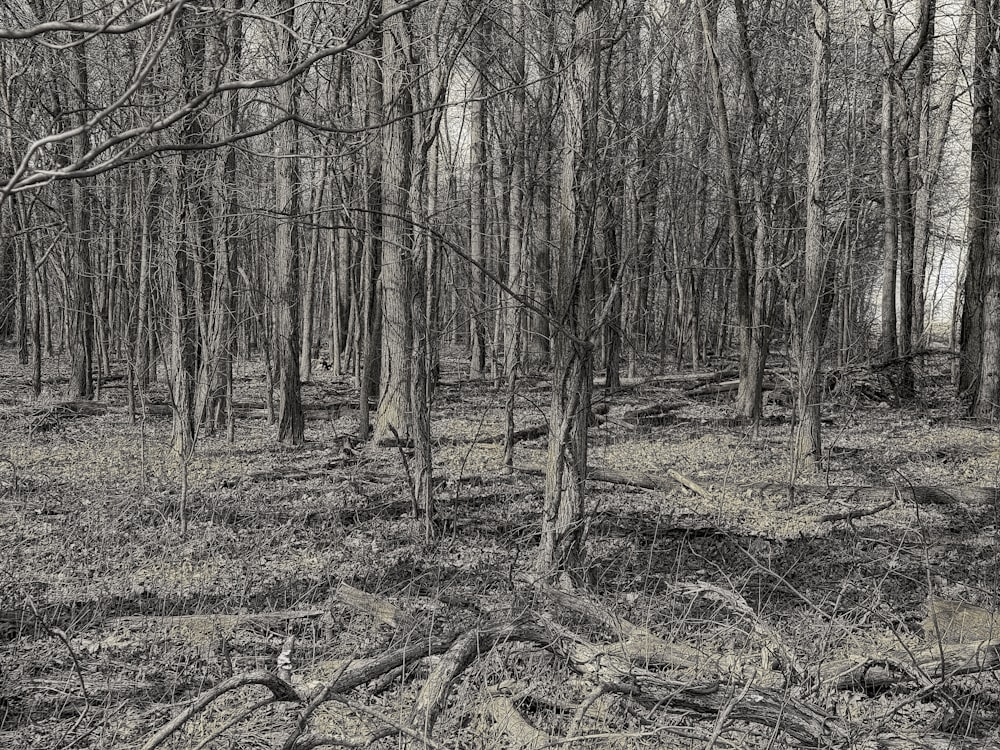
[[190, 236], [987, 402], [981, 197], [927, 168], [985, 386], [394, 419], [563, 550], [288, 331]]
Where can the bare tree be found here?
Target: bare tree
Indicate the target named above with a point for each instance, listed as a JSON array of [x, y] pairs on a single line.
[[562, 549], [979, 373], [394, 419], [813, 303], [288, 330]]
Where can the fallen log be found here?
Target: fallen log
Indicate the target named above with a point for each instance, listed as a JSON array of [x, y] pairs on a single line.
[[933, 662], [658, 409], [597, 474], [711, 389], [676, 378], [509, 722], [919, 494]]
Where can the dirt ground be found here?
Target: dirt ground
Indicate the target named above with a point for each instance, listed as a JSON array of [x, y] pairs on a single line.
[[112, 622]]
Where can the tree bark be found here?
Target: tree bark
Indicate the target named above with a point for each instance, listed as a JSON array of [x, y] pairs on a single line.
[[814, 290], [477, 207], [291, 425], [982, 208], [394, 419], [80, 333], [517, 252], [370, 329], [888, 342], [562, 551]]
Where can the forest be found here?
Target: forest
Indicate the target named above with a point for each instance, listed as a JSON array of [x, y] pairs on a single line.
[[611, 374]]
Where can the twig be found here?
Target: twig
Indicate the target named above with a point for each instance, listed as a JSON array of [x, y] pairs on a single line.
[[689, 483], [856, 513]]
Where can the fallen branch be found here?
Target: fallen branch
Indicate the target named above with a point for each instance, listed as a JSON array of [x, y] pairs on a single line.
[[280, 690], [850, 515], [935, 661], [638, 643], [655, 413], [678, 378], [919, 494]]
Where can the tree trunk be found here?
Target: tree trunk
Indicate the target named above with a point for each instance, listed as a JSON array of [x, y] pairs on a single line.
[[982, 212], [755, 339], [291, 424], [734, 211], [986, 267], [394, 419], [218, 333], [888, 343], [370, 331], [814, 290], [477, 209], [563, 539], [191, 233], [517, 252], [80, 333], [309, 302], [927, 167]]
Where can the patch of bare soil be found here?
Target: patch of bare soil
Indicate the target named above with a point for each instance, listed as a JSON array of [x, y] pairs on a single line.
[[303, 607]]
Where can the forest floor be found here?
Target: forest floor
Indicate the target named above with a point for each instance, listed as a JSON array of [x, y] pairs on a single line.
[[112, 622]]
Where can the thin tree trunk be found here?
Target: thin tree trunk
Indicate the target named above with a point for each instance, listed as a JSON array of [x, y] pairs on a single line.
[[813, 306], [888, 342], [517, 252], [477, 209], [755, 340], [80, 333], [370, 344], [309, 293]]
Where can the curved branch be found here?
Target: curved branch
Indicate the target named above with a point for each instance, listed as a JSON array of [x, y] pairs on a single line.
[[92, 29], [78, 168], [280, 689]]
